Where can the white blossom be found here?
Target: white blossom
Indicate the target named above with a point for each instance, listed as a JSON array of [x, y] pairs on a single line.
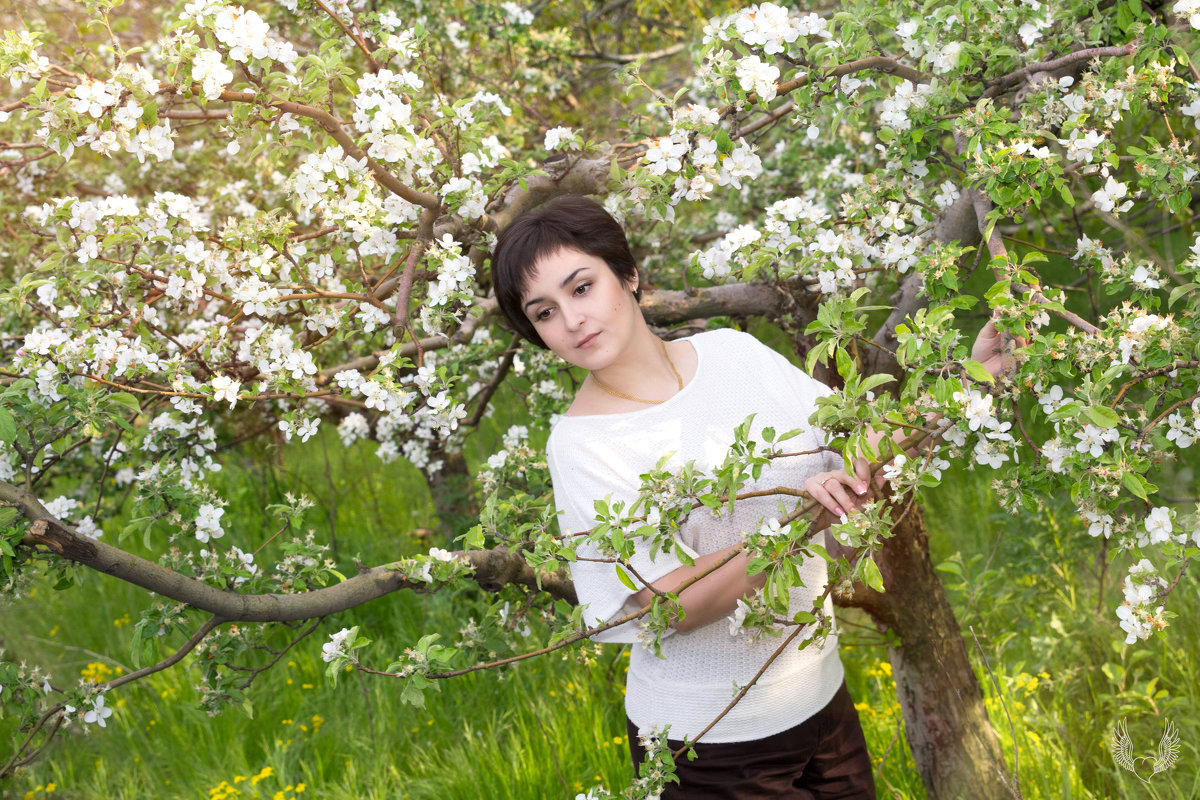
[[758, 76], [893, 470], [208, 67], [516, 15], [335, 647], [1158, 524], [226, 388], [1109, 198], [738, 617], [98, 712], [562, 138], [1191, 10], [1100, 524], [1145, 277], [94, 97], [208, 523], [1093, 438]]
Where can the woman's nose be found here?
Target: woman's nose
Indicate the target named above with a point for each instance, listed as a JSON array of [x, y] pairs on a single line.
[[574, 318]]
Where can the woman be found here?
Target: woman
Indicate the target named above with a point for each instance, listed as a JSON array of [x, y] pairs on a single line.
[[566, 280]]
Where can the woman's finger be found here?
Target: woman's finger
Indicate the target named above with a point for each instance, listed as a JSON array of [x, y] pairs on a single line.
[[862, 470], [818, 489], [839, 487]]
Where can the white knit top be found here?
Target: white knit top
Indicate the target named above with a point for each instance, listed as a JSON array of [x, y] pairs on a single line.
[[595, 456]]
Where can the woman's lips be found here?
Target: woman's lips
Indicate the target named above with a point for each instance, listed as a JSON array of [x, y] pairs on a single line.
[[586, 341]]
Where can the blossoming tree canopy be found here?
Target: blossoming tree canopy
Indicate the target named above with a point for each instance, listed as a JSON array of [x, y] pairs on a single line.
[[277, 217]]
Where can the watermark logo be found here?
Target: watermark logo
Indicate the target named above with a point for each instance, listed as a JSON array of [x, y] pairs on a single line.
[[1145, 767]]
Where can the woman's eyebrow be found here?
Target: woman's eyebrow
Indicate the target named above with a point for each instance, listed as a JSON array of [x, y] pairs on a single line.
[[562, 285]]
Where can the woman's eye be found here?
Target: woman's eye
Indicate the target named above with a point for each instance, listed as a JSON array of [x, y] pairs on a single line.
[[543, 314], [582, 288]]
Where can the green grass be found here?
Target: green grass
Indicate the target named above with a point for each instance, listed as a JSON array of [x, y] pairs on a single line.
[[555, 726]]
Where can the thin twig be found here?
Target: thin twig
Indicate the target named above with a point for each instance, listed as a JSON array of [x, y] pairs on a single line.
[[170, 660], [1011, 728]]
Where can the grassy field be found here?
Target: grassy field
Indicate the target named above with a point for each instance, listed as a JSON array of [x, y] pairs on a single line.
[[1060, 676]]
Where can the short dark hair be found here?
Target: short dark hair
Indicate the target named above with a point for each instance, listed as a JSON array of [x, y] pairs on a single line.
[[570, 222]]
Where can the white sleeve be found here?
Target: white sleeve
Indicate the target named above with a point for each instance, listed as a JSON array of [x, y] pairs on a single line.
[[581, 475]]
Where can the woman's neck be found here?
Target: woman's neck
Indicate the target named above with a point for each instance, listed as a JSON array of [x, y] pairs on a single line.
[[648, 372], [642, 366]]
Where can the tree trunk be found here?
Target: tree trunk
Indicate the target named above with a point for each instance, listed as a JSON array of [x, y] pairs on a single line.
[[450, 488], [947, 726]]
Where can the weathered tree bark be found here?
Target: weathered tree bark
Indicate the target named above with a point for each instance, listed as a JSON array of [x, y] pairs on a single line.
[[951, 738]]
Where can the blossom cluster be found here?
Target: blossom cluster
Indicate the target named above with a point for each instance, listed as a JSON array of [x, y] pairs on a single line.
[[340, 189], [1138, 619], [769, 29], [244, 33]]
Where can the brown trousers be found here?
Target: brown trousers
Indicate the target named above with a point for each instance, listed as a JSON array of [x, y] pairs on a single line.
[[823, 758]]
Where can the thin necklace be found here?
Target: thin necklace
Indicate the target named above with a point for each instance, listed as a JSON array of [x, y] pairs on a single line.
[[615, 393]]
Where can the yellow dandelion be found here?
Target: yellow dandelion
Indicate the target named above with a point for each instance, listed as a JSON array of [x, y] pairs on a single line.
[[262, 775], [96, 672]]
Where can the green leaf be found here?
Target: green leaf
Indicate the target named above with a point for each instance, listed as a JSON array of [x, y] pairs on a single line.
[[820, 353], [625, 579], [998, 290], [845, 364], [1103, 416], [412, 695], [8, 426], [1064, 191], [870, 574], [1179, 291], [724, 143], [126, 399], [977, 371], [1124, 16], [875, 380], [1133, 482]]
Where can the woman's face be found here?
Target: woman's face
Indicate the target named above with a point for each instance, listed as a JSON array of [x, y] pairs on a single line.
[[581, 309]]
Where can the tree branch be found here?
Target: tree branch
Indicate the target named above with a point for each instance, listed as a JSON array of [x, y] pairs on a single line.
[[349, 146], [1018, 77], [492, 569], [204, 630], [660, 306]]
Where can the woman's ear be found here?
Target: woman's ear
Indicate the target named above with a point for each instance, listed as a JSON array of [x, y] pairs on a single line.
[[634, 282]]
